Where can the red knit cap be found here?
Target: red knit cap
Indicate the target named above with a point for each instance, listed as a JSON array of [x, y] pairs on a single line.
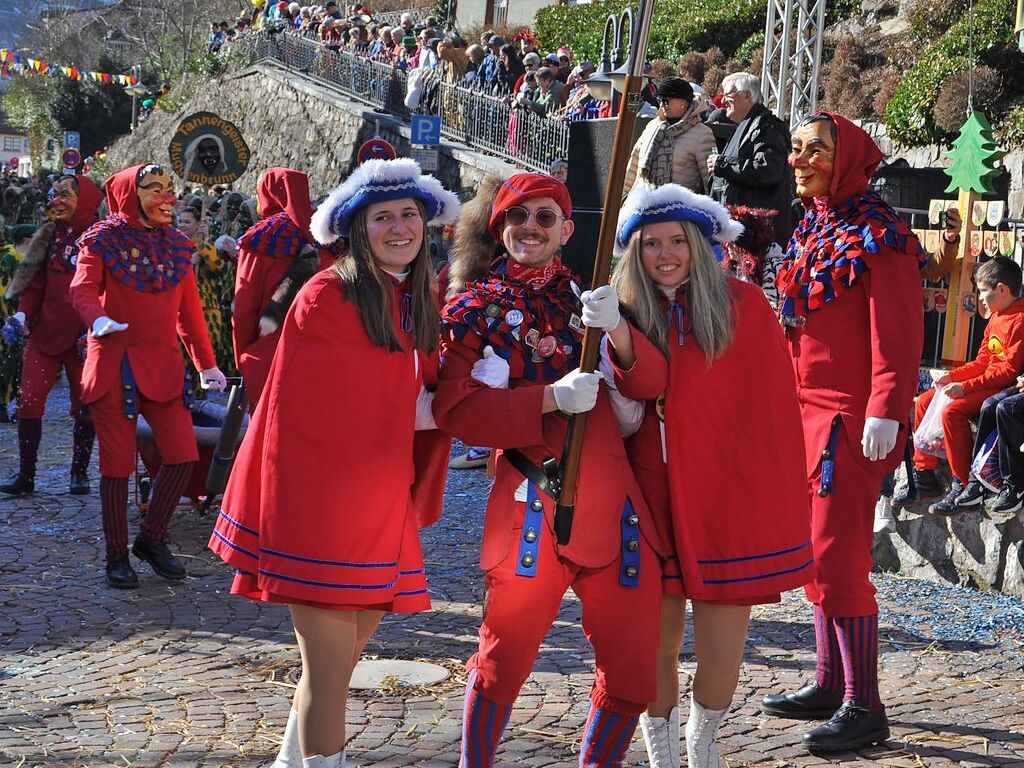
[[527, 186]]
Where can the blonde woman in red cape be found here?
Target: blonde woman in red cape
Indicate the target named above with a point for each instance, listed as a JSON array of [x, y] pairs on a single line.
[[720, 465]]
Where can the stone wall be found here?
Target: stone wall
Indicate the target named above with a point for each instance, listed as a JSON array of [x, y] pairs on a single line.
[[289, 121], [978, 549]]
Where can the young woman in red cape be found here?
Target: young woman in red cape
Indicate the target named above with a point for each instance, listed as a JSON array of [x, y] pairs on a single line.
[[326, 496], [721, 463]]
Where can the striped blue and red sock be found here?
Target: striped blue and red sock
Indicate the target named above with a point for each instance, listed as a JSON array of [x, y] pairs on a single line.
[[858, 645], [483, 722], [828, 671], [606, 736]]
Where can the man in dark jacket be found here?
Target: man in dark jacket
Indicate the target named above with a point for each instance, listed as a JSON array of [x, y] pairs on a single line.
[[752, 169]]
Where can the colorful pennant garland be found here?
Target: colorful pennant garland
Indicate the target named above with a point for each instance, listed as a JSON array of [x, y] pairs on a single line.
[[13, 63]]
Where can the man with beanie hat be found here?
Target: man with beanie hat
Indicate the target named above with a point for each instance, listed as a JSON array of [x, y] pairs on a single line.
[[53, 327], [674, 147], [510, 377]]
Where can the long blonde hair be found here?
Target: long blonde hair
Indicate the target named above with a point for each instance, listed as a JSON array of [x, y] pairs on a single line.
[[708, 305], [368, 287]]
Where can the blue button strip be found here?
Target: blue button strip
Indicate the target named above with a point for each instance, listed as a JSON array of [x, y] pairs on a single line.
[[629, 576], [533, 528]]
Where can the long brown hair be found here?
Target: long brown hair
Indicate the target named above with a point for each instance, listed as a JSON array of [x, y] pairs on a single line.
[[368, 287], [709, 305]]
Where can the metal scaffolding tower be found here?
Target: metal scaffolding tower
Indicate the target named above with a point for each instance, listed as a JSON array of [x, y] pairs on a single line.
[[792, 57]]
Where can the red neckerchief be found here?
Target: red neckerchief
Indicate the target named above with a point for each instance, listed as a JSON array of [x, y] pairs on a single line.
[[534, 277]]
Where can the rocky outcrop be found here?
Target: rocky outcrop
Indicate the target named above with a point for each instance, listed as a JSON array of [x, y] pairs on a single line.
[[978, 549], [288, 120]]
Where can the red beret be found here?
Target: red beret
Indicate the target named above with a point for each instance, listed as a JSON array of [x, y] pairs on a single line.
[[527, 186]]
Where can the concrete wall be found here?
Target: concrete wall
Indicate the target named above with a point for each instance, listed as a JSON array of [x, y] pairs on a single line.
[[289, 121]]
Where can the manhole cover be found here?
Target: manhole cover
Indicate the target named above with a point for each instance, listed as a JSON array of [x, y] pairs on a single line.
[[372, 674]]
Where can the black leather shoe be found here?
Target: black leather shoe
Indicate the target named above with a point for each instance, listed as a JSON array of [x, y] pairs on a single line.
[[120, 574], [852, 727], [79, 485], [19, 486], [160, 558], [809, 703]]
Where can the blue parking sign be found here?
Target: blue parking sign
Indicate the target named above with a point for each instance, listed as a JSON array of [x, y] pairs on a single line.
[[72, 140], [426, 130]]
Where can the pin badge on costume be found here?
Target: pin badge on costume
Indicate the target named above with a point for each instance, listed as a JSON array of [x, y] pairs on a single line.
[[576, 323], [547, 346], [532, 338], [493, 310], [514, 317]]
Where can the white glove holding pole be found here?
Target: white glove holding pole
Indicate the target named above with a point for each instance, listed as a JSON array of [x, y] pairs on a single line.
[[491, 369], [213, 380], [104, 326], [425, 410], [879, 437], [576, 392], [601, 308]]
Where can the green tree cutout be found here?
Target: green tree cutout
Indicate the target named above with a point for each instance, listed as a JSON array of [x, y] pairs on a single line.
[[974, 157]]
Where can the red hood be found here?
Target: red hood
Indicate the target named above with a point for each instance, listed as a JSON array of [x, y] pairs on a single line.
[[122, 194], [285, 189], [89, 198], [857, 157]]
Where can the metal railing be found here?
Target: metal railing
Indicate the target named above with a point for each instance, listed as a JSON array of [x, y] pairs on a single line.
[[487, 123]]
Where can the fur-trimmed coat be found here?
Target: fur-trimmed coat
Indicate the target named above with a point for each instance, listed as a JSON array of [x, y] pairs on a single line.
[[473, 248], [35, 256]]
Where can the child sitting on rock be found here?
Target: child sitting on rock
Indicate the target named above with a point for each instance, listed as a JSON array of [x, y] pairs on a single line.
[[999, 360]]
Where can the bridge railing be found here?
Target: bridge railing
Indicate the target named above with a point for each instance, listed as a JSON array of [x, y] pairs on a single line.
[[484, 122]]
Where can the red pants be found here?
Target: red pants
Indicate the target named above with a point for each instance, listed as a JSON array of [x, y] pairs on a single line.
[[620, 622], [39, 373], [956, 431], [172, 431], [842, 535]]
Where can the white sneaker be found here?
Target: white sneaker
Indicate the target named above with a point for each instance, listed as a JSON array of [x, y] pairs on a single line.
[[884, 519], [662, 746], [702, 736]]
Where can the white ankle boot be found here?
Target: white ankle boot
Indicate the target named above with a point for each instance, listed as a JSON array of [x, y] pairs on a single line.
[[661, 737], [702, 736], [337, 760], [884, 519], [290, 754]]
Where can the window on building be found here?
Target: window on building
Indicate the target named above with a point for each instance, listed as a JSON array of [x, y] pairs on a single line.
[[12, 143]]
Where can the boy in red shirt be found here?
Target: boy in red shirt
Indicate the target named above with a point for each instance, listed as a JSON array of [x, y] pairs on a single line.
[[999, 360]]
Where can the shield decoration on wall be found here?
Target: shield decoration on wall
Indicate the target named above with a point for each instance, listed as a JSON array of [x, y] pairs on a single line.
[[207, 150]]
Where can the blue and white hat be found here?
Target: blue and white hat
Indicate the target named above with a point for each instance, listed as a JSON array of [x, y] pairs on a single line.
[[377, 181], [671, 202]]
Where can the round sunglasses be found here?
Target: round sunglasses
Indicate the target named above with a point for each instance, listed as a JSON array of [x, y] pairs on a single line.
[[545, 217]]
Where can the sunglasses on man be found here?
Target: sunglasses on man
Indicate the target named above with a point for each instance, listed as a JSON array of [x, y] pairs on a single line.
[[545, 217]]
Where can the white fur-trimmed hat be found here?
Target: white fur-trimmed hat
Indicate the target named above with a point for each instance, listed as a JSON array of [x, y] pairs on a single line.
[[377, 181], [671, 202]]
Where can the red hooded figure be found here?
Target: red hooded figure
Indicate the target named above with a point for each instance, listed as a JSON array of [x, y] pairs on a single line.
[[54, 328], [135, 289], [275, 257], [850, 298]]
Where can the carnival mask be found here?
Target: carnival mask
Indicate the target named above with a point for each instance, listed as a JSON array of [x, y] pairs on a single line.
[[65, 200], [156, 198], [813, 158]]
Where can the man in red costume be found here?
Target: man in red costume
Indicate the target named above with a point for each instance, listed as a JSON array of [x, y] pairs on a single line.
[[850, 298], [510, 374], [275, 257], [53, 327], [135, 290]]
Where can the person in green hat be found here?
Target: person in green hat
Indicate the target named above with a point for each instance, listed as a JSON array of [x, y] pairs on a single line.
[[13, 241]]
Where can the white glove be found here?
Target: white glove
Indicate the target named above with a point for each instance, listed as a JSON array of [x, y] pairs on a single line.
[[601, 308], [213, 380], [268, 326], [576, 392], [879, 437], [491, 370], [425, 410], [104, 325]]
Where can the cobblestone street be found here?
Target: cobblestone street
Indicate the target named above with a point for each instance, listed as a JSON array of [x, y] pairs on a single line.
[[187, 675]]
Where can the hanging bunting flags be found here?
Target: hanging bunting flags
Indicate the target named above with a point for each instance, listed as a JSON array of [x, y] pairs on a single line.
[[12, 63]]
